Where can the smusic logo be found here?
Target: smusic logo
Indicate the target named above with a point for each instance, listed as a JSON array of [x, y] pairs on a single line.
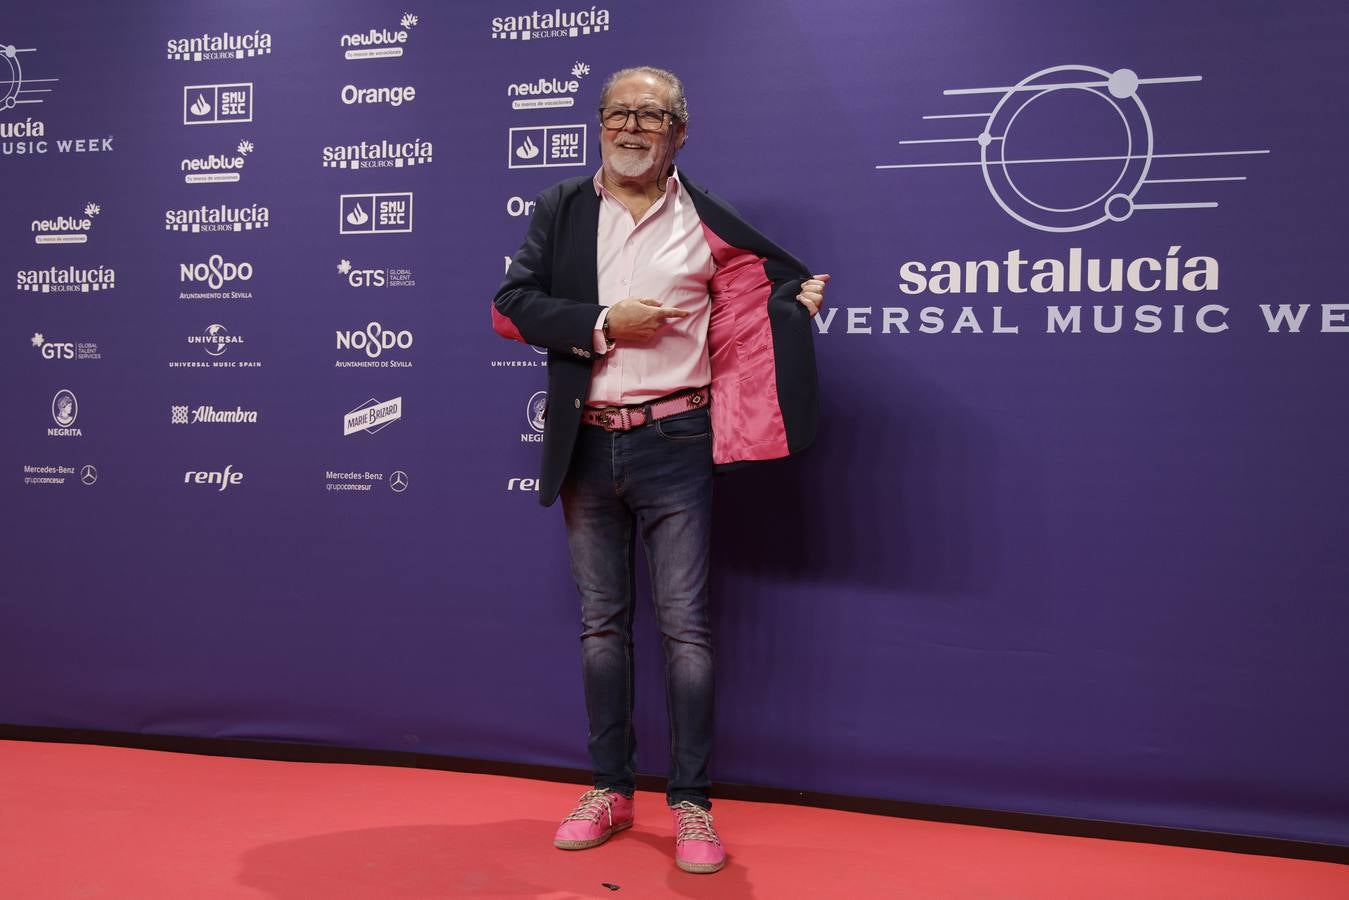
[[375, 213], [217, 104]]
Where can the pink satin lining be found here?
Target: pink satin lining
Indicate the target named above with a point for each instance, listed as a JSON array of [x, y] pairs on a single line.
[[505, 327], [746, 418]]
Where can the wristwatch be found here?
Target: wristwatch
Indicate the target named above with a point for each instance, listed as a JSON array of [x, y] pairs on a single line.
[[605, 329]]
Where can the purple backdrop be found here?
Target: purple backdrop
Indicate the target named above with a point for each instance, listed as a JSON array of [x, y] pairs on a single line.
[[1034, 563]]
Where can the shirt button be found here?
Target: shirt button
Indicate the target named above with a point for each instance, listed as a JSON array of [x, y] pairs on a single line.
[[578, 404]]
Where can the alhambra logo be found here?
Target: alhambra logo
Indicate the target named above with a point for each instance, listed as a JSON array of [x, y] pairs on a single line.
[[538, 26], [210, 219], [72, 229], [379, 43], [380, 154], [209, 415], [225, 45], [216, 168]]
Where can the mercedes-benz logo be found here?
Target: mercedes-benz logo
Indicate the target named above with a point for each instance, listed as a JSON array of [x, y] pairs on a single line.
[[88, 474], [398, 481]]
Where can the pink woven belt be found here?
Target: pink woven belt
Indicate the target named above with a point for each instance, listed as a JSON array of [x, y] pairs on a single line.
[[626, 418]]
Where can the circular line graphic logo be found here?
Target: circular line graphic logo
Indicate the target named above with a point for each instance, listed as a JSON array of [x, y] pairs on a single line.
[[88, 474], [1045, 88], [398, 481]]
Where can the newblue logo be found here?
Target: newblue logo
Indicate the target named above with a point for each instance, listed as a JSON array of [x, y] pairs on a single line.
[[65, 229], [379, 43]]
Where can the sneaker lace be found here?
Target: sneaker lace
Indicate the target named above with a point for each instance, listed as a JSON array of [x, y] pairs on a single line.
[[695, 823], [592, 805]]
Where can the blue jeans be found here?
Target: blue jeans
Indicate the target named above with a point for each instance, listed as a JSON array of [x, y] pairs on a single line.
[[655, 481]]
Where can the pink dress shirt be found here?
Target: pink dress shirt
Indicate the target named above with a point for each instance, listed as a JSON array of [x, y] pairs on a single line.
[[666, 257]]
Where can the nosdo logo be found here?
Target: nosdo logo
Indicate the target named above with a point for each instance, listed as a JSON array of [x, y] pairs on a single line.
[[216, 168], [379, 42], [217, 218], [219, 46], [216, 339], [217, 104], [394, 96], [68, 279], [548, 93], [375, 278], [64, 349], [377, 155], [227, 478], [215, 272], [538, 26], [65, 229], [374, 340]]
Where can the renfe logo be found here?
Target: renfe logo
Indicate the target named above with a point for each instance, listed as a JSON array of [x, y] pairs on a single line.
[[227, 478]]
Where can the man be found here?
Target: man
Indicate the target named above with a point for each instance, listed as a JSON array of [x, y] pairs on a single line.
[[679, 339]]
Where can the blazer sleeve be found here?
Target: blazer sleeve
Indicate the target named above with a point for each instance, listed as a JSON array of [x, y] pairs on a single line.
[[524, 308]]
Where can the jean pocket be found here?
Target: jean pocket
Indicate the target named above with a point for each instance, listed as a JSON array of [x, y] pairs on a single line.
[[689, 426]]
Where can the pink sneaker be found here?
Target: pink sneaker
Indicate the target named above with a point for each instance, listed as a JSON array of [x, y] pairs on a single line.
[[697, 847], [599, 815]]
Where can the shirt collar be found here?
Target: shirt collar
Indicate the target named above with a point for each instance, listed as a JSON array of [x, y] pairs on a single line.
[[671, 184]]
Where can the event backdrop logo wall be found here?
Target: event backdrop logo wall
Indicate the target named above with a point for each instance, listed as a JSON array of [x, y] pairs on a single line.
[[241, 237]]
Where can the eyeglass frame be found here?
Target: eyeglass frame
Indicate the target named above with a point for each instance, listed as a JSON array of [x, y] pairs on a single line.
[[633, 114]]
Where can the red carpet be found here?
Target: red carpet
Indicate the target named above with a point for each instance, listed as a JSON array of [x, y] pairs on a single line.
[[99, 822]]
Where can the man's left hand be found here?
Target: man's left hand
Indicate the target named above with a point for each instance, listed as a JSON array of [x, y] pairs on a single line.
[[812, 293]]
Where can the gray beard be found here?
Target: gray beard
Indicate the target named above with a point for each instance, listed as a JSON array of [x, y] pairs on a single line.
[[629, 165]]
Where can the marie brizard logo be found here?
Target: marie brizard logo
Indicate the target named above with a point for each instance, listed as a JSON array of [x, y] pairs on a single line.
[[372, 416], [1071, 147]]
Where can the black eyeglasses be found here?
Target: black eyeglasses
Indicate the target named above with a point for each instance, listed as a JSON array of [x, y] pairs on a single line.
[[649, 118]]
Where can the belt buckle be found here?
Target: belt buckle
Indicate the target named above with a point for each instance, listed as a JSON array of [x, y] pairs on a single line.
[[605, 418]]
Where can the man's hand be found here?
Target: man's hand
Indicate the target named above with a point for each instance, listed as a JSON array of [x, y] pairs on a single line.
[[812, 293], [638, 319]]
